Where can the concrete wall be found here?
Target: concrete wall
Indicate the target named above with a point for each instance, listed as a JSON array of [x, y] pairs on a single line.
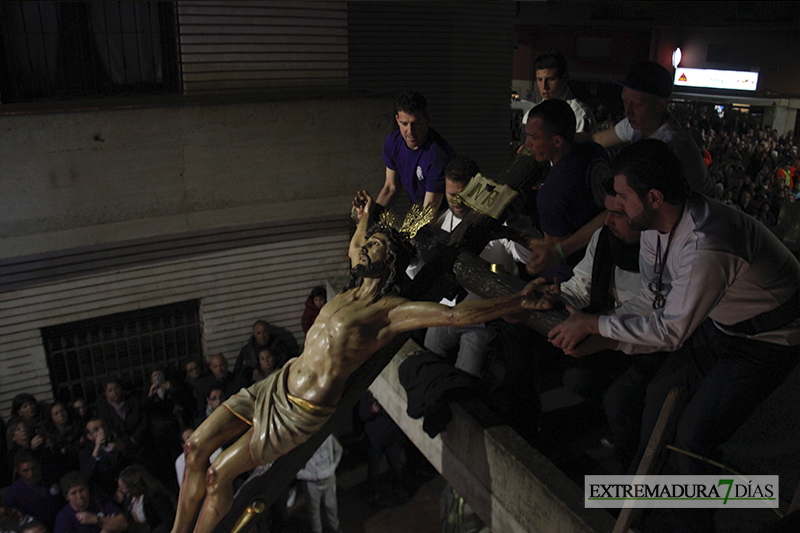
[[77, 179], [121, 182]]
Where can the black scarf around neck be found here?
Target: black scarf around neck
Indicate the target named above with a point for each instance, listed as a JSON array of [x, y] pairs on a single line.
[[610, 252]]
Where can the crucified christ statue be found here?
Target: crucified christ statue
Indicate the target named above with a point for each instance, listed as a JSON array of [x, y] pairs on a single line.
[[282, 411]]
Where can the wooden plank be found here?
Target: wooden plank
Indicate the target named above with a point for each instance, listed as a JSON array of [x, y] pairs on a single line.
[[474, 275], [244, 66], [268, 77], [215, 85], [313, 19], [655, 453], [330, 249], [213, 30]]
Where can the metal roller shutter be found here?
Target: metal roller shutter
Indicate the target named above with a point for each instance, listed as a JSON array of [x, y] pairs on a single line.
[[262, 46], [458, 54]]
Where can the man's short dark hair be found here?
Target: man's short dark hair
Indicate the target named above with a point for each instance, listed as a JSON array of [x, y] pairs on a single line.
[[651, 164], [319, 290], [193, 359], [91, 417], [212, 389], [410, 102], [24, 455], [21, 399], [461, 169], [108, 381], [135, 478], [260, 322], [557, 118], [71, 479], [551, 59]]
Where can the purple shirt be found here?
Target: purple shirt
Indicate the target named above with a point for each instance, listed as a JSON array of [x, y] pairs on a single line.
[[66, 522], [420, 170], [35, 500]]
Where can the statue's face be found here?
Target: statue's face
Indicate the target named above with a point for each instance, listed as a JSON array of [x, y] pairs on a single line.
[[372, 257]]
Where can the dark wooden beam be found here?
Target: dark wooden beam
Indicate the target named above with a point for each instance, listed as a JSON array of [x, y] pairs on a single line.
[[473, 274]]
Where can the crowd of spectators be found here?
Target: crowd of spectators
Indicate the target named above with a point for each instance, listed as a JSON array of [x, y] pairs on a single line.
[[753, 168], [116, 465]]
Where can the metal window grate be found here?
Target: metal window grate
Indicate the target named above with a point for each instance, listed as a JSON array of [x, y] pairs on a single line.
[[80, 355], [51, 50]]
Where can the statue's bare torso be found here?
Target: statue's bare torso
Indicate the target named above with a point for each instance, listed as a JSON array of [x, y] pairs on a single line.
[[348, 330]]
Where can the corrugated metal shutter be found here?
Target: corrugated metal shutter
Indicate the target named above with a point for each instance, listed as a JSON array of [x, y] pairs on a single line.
[[458, 54], [249, 46], [235, 287]]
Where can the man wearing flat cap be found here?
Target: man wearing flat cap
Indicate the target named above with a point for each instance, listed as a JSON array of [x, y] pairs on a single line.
[[644, 94]]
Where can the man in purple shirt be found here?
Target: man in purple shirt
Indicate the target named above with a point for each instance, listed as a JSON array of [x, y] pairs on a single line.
[[415, 155], [86, 512], [30, 493]]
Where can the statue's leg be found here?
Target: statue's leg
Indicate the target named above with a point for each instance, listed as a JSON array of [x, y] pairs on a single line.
[[219, 482], [220, 427]]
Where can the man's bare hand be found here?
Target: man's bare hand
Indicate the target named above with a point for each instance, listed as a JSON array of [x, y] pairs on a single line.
[[362, 204], [544, 256], [570, 333], [535, 297], [553, 291], [87, 519]]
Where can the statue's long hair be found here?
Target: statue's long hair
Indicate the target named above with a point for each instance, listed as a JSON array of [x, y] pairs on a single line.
[[399, 252]]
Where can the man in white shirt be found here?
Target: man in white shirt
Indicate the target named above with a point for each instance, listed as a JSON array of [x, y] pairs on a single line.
[[719, 290], [645, 96], [551, 73]]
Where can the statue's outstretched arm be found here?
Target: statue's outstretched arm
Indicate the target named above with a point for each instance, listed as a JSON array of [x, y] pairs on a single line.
[[409, 316], [363, 205]]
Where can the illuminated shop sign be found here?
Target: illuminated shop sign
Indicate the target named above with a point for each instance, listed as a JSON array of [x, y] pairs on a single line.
[[716, 79]]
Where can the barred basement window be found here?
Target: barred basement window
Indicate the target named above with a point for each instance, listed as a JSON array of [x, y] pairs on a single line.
[[126, 346], [52, 50]]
